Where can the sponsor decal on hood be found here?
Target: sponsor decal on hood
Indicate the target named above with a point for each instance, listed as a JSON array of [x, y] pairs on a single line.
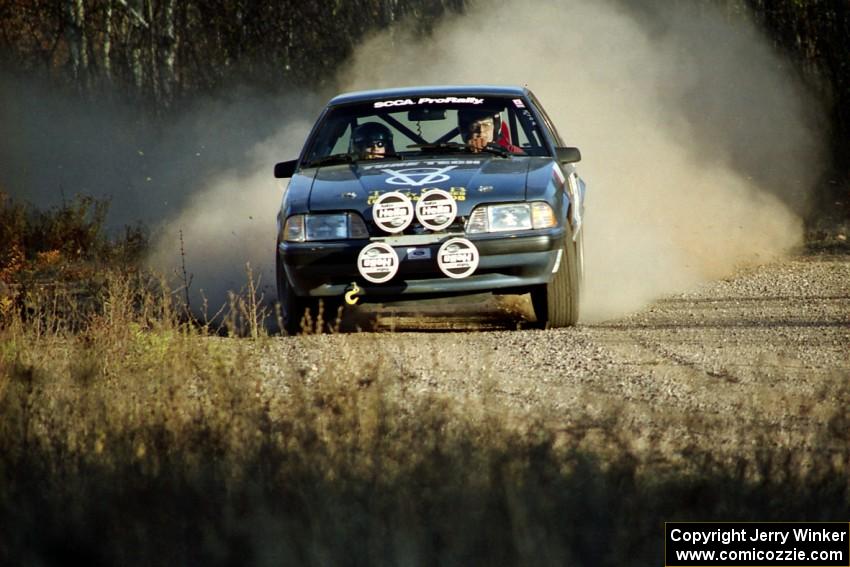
[[458, 177]]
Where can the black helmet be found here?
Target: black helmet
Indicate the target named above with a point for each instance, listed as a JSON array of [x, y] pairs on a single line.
[[367, 134], [467, 116]]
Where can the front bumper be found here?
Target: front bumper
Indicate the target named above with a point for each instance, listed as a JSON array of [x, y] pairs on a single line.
[[509, 262]]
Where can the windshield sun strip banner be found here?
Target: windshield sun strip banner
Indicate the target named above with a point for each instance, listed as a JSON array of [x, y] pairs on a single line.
[[428, 100]]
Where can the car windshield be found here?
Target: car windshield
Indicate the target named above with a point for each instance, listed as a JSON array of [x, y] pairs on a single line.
[[415, 126]]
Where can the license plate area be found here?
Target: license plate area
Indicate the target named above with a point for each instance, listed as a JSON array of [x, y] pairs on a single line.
[[415, 253]]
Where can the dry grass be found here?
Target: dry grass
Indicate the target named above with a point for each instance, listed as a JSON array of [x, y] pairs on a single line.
[[130, 436], [137, 438]]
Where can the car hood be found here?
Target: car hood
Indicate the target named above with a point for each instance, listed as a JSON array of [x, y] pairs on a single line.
[[471, 181]]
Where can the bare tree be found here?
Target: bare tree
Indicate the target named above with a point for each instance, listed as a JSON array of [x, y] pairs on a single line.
[[75, 33], [168, 52], [107, 43]]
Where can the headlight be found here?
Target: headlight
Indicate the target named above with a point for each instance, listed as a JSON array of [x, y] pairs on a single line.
[[511, 216], [326, 227], [336, 226], [515, 216]]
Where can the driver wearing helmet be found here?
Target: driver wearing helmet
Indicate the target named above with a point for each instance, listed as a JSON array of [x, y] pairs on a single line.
[[372, 141], [479, 128]]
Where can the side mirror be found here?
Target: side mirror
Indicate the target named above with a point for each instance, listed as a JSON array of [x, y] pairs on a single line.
[[568, 155], [285, 169]]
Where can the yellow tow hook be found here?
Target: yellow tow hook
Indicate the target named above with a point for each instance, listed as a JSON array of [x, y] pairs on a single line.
[[351, 295]]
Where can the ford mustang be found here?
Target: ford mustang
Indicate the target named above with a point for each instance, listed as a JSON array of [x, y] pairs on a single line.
[[431, 192]]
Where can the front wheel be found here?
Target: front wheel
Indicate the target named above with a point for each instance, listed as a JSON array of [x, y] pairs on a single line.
[[292, 307], [308, 314], [556, 304]]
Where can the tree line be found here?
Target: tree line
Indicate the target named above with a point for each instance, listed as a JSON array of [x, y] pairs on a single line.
[[162, 52], [816, 35]]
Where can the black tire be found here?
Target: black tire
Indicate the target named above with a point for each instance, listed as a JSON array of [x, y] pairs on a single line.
[[556, 304], [292, 307], [580, 255], [300, 314]]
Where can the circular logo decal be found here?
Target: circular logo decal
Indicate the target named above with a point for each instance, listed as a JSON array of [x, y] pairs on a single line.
[[392, 212], [436, 209], [457, 258], [377, 262]]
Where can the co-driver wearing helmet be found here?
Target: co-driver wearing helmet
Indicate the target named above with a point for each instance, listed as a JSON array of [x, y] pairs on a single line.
[[372, 141], [478, 128]]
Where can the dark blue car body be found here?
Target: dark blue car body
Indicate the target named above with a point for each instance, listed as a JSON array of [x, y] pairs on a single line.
[[518, 261]]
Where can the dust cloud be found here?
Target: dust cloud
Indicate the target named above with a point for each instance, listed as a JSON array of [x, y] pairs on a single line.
[[53, 146], [692, 132], [205, 175], [226, 232], [699, 147]]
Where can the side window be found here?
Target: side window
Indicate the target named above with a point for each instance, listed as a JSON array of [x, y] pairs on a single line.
[[528, 133], [549, 124], [525, 137]]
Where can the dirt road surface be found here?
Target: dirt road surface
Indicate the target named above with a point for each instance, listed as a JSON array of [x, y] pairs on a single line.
[[768, 348]]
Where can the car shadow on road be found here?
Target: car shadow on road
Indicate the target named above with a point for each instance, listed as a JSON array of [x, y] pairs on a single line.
[[473, 314]]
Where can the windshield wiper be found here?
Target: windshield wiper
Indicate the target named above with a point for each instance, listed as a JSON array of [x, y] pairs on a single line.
[[334, 159], [441, 147], [457, 147], [496, 149]]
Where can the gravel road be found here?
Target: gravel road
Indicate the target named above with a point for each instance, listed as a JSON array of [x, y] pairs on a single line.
[[769, 347]]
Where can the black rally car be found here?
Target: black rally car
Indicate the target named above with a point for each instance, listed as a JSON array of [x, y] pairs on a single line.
[[431, 191]]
